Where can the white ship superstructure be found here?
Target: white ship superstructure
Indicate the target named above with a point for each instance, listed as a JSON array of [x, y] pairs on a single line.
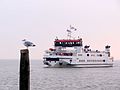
[[71, 53]]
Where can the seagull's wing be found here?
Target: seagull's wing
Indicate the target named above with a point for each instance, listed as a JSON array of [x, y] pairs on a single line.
[[27, 43]]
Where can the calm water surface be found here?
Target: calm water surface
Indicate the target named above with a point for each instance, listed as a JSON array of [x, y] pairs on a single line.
[[60, 78]]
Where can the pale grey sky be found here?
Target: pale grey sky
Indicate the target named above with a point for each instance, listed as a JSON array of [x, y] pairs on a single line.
[[41, 21]]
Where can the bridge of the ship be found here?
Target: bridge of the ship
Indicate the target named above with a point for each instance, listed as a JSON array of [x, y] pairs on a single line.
[[68, 42]]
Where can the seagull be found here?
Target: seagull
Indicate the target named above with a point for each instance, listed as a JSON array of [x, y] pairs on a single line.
[[28, 43]]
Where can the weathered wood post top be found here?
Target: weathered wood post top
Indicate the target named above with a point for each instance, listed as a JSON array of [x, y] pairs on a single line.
[[24, 80], [24, 51]]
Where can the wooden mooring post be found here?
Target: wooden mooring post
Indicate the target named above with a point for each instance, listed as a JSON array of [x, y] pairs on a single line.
[[24, 80]]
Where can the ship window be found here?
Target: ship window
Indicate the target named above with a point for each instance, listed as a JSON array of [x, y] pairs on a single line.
[[81, 60], [89, 60], [87, 54], [95, 60], [92, 54], [78, 42], [99, 55], [79, 54]]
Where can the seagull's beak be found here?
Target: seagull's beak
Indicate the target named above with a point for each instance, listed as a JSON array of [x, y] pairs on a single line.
[[34, 45]]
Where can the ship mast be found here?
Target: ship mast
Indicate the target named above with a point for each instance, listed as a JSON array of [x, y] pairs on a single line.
[[69, 35]]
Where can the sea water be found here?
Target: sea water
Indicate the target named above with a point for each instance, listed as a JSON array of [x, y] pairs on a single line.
[[60, 78]]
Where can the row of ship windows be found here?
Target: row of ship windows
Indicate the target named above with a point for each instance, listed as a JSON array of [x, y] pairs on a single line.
[[92, 60], [67, 43], [87, 61], [100, 55]]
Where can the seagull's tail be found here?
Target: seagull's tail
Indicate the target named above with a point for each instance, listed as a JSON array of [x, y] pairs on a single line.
[[24, 40]]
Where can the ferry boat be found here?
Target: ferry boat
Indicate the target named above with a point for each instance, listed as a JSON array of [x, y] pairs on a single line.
[[70, 52]]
